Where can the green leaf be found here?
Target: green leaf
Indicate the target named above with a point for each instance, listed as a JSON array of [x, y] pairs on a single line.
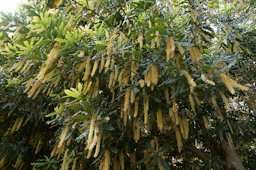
[[162, 30], [51, 114], [206, 68], [79, 87], [72, 94], [60, 40], [81, 117], [100, 47], [22, 47], [27, 44]]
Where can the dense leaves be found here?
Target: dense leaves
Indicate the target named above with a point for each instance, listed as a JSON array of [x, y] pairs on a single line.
[[128, 85]]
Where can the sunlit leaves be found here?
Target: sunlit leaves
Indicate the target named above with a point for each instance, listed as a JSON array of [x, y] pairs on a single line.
[[75, 93], [133, 84]]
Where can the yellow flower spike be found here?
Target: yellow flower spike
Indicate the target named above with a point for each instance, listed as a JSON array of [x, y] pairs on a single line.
[[171, 114], [175, 112], [136, 130], [154, 75], [120, 77], [95, 138], [102, 63], [37, 92], [142, 83], [97, 150], [206, 122], [181, 128], [225, 101], [136, 108], [167, 95], [147, 77], [107, 64], [19, 123], [126, 113], [159, 118], [26, 65], [111, 80], [185, 125], [94, 68], [20, 66], [133, 95], [14, 126], [28, 85], [87, 69], [121, 159], [140, 40], [225, 79], [192, 103], [170, 48], [63, 136], [195, 55], [32, 91], [127, 99], [157, 39], [203, 77], [178, 139], [53, 55], [112, 64], [190, 80], [146, 108], [115, 75], [181, 49], [91, 130], [239, 86]]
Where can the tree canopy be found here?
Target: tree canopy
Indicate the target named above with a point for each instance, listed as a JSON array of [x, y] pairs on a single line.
[[128, 84]]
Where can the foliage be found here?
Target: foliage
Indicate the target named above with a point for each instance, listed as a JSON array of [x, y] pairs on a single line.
[[46, 163], [128, 84]]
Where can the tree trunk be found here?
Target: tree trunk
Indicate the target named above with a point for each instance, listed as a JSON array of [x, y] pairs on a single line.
[[200, 154], [232, 158]]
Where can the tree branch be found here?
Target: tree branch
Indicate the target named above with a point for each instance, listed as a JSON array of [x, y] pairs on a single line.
[[232, 158], [200, 154]]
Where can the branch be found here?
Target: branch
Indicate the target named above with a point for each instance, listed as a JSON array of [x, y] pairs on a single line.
[[200, 154], [232, 158], [210, 143]]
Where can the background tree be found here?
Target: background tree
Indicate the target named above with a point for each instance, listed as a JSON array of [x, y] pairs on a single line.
[[128, 85]]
